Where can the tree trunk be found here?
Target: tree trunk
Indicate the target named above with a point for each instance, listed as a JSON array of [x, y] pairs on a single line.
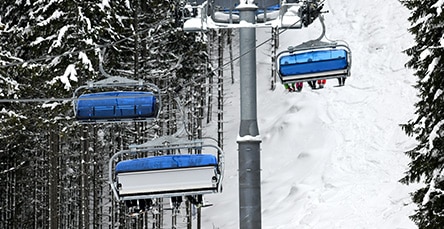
[[54, 179]]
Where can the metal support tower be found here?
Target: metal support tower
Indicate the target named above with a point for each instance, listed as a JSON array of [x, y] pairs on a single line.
[[248, 139]]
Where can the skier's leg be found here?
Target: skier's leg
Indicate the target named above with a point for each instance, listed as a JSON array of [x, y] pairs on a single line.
[[299, 86], [312, 84]]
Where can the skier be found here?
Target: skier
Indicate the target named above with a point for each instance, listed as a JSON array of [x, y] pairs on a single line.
[[290, 87], [341, 81], [312, 84], [299, 86], [322, 83]]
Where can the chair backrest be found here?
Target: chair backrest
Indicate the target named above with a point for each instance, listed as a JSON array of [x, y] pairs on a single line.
[[231, 4], [264, 4], [224, 4]]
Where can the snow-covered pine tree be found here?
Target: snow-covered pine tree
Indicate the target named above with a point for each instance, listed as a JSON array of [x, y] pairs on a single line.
[[47, 45], [51, 170], [428, 125], [18, 139]]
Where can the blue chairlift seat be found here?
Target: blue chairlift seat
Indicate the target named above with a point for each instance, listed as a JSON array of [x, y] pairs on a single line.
[[314, 64], [166, 162], [167, 176], [116, 105]]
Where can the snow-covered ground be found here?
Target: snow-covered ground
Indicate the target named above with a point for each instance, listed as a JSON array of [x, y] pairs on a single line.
[[331, 158]]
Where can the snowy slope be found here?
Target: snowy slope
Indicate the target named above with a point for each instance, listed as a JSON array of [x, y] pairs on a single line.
[[331, 158]]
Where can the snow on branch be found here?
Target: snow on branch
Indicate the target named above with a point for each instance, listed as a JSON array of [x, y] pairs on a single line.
[[13, 168], [56, 15], [70, 74], [438, 5], [10, 114], [58, 42]]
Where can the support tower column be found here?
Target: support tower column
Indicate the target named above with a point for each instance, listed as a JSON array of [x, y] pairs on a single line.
[[248, 139]]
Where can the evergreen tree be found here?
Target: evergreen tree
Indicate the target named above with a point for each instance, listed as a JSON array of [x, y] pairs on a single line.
[[428, 124], [53, 172]]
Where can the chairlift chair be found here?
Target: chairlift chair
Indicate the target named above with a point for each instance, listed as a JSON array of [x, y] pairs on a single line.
[[286, 14], [268, 11], [314, 60], [167, 175], [225, 12], [104, 102], [289, 15], [197, 11], [308, 64]]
